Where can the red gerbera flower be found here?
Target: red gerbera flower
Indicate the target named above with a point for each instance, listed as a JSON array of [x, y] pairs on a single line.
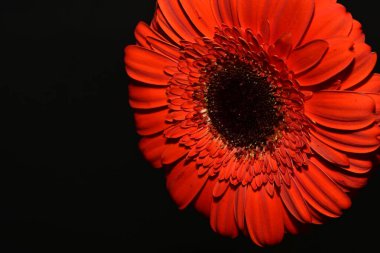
[[264, 113]]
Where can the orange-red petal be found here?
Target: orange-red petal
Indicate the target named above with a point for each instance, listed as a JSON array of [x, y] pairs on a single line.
[[143, 31], [346, 180], [147, 66], [173, 152], [239, 204], [147, 96], [161, 25], [150, 122], [341, 110], [253, 13], [226, 12], [307, 56], [164, 48], [184, 183], [222, 217], [176, 18], [152, 148], [294, 202], [264, 217], [356, 33], [370, 85], [359, 166], [204, 199], [290, 16], [363, 65], [329, 154], [330, 20], [360, 141], [291, 225], [322, 189], [199, 12], [336, 59]]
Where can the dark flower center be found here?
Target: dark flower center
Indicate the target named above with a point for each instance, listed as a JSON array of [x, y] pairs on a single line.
[[241, 104]]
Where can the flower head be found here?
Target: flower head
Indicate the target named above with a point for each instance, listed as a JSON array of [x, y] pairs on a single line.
[[263, 113]]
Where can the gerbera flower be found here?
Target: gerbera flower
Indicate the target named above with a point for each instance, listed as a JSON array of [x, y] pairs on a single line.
[[263, 113]]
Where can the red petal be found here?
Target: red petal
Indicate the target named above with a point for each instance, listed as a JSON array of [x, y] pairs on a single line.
[[356, 33], [363, 65], [198, 12], [177, 131], [184, 183], [264, 217], [253, 13], [239, 204], [359, 166], [370, 85], [376, 99], [336, 59], [220, 188], [322, 189], [173, 152], [177, 19], [147, 66], [164, 48], [329, 21], [222, 217], [324, 3], [291, 224], [362, 141], [203, 201], [294, 202], [315, 208], [317, 174], [265, 31], [328, 153], [307, 56], [152, 148], [341, 110], [177, 115], [147, 97], [345, 179], [151, 122], [290, 16], [226, 12], [142, 31], [161, 25], [283, 46], [318, 217], [269, 187]]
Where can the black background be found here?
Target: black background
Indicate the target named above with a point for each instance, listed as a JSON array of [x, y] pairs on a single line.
[[71, 176]]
